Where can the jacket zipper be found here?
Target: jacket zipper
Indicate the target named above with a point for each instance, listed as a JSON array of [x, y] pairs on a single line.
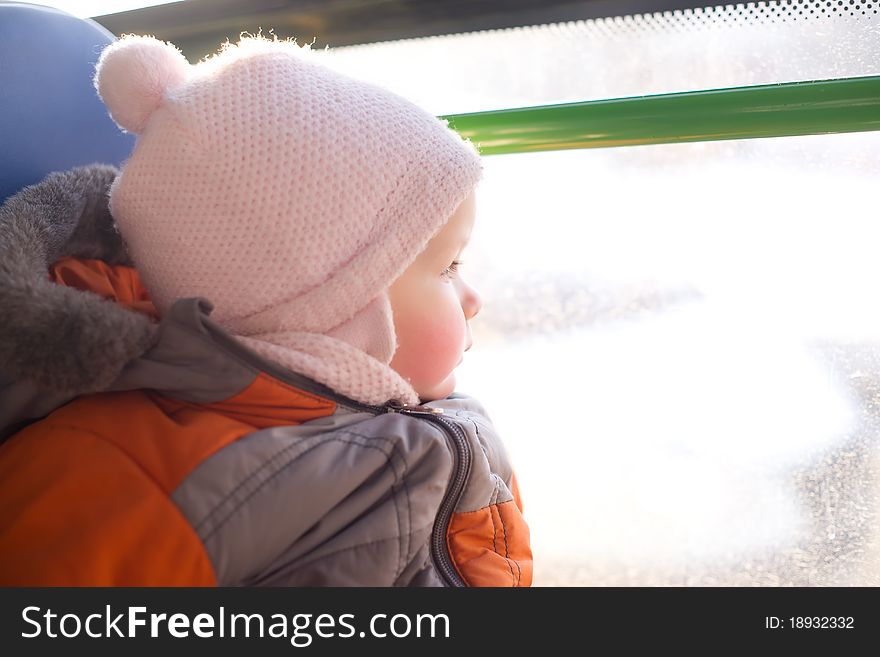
[[460, 472]]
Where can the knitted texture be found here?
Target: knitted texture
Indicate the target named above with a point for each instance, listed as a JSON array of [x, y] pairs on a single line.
[[288, 194]]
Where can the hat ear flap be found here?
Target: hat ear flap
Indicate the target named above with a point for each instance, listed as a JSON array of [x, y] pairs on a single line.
[[371, 330], [133, 76]]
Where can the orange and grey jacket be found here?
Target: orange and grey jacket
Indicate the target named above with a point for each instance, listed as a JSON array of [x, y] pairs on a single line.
[[139, 450]]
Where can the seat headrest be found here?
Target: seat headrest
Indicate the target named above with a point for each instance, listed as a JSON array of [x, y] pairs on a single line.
[[53, 119]]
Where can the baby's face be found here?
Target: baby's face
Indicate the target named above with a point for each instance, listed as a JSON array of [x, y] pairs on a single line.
[[432, 305]]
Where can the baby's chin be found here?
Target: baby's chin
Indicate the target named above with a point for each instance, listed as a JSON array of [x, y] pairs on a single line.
[[440, 391]]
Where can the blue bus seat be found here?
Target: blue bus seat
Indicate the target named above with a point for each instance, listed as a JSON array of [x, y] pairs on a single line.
[[52, 118]]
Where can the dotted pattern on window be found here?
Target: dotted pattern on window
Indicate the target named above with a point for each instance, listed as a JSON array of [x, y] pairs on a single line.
[[740, 14], [715, 47]]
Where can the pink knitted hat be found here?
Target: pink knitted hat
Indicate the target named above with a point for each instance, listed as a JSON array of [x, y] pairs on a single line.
[[287, 194]]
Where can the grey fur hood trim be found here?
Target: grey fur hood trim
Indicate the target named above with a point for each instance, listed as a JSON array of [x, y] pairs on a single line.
[[61, 339]]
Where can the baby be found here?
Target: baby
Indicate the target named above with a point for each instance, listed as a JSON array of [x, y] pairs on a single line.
[[307, 432]]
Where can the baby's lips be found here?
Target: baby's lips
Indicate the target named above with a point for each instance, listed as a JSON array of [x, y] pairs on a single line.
[[461, 360]]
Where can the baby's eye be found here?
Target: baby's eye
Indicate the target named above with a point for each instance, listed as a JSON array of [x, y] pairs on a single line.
[[452, 269]]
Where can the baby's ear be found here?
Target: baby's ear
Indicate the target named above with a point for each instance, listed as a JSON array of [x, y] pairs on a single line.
[[133, 76]]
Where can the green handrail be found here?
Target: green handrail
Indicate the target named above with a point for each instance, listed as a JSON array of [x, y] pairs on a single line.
[[772, 110]]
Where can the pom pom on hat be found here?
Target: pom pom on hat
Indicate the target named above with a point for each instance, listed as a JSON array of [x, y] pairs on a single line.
[[133, 76]]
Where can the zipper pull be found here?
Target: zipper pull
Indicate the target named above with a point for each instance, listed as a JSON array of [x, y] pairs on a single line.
[[397, 407]]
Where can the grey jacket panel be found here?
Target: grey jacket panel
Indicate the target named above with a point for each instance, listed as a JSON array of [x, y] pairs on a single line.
[[361, 498], [215, 482], [185, 362], [358, 494]]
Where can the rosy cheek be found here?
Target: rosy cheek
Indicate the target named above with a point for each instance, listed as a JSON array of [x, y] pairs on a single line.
[[433, 350]]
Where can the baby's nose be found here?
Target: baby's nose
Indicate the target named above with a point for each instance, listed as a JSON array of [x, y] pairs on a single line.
[[472, 303]]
